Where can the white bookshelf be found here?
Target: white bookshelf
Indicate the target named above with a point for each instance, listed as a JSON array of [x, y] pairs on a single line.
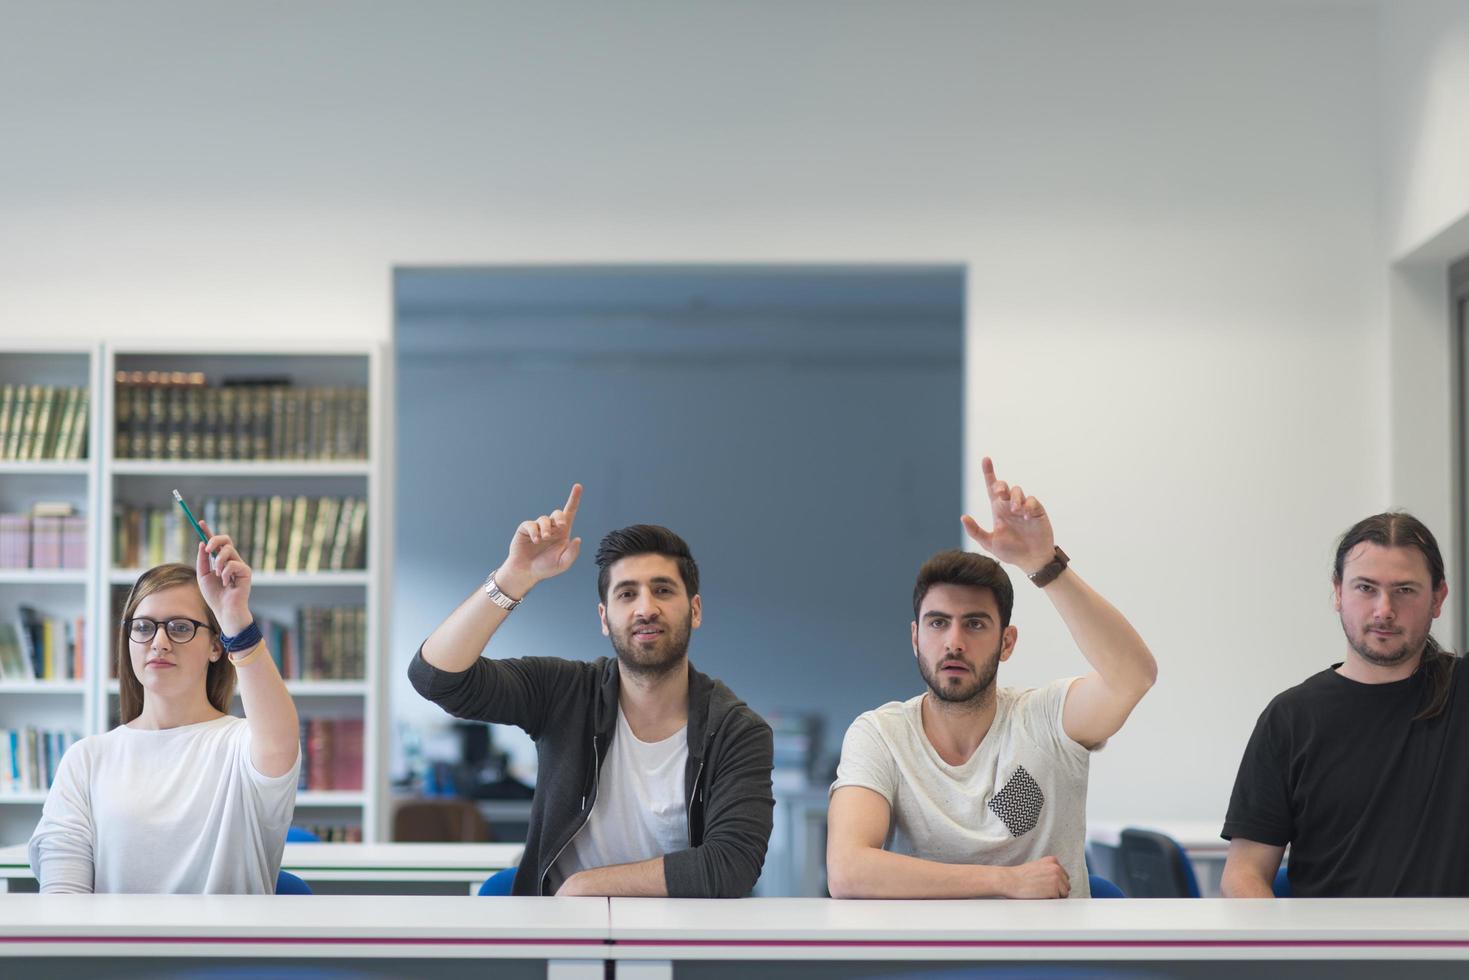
[[32, 800], [275, 594], [10, 467], [44, 576], [44, 688], [60, 705], [94, 484]]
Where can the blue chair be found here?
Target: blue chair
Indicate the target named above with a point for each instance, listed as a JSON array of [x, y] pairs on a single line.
[[498, 883], [288, 884], [1281, 884], [1102, 888], [295, 835], [1153, 865]]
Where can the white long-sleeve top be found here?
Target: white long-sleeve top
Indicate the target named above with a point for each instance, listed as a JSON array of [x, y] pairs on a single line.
[[178, 811]]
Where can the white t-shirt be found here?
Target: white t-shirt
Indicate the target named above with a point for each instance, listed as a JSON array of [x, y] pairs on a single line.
[[178, 811], [1020, 797], [639, 812]]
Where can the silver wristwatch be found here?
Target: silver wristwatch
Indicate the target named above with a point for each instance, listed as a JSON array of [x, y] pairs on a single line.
[[497, 597]]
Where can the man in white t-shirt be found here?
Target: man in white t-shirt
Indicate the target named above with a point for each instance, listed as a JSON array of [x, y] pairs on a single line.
[[966, 790]]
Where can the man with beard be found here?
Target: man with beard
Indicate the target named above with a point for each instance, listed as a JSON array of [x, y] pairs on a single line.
[[968, 790], [1359, 768], [654, 779]]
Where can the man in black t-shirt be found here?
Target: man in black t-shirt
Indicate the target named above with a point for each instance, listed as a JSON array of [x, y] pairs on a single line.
[[1360, 769]]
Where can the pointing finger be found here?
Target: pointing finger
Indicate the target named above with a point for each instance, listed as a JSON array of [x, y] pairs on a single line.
[[573, 501], [988, 467]]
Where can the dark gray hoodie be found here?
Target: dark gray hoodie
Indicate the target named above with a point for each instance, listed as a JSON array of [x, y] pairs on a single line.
[[569, 708]]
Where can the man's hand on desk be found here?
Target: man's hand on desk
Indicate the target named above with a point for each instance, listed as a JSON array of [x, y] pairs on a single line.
[[1038, 879], [574, 886]]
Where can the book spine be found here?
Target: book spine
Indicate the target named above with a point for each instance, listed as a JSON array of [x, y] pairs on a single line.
[[7, 403]]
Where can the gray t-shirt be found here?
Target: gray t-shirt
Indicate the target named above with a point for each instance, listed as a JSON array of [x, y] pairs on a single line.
[[1020, 797]]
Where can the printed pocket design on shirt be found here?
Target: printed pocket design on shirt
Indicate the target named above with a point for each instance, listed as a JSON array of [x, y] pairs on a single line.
[[1020, 803]]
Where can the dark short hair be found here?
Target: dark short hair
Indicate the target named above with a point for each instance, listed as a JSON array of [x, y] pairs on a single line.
[[956, 567], [1393, 529], [645, 539], [1399, 529]]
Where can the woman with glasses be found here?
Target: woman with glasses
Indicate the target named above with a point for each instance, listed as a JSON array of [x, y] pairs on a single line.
[[181, 797]]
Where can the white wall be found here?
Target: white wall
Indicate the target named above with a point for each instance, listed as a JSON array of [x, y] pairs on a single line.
[[1425, 77], [1169, 213], [1425, 113]]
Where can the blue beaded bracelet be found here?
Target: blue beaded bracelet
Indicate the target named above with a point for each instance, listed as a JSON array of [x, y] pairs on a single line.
[[244, 640]]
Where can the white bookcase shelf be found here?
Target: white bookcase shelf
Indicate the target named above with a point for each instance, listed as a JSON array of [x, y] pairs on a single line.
[[332, 798], [100, 481], [44, 576], [28, 799], [62, 594], [256, 468], [12, 467], [43, 688]]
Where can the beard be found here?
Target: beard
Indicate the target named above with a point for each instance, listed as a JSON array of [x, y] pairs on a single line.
[[1412, 645], [962, 690], [659, 658]]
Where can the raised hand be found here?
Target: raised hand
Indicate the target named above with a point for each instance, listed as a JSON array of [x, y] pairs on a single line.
[[1045, 878], [225, 584], [1022, 534], [541, 549]]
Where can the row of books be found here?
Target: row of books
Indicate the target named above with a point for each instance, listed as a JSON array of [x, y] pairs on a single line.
[[331, 754], [178, 415], [323, 644], [29, 757], [43, 648], [50, 536], [334, 833], [273, 534], [43, 421]]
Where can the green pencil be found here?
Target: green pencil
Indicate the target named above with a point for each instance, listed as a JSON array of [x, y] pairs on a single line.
[[190, 515]]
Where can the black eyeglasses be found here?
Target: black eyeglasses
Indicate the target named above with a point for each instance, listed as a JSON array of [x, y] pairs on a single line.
[[180, 630]]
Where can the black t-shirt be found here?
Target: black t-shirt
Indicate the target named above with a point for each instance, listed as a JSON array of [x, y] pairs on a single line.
[[1371, 802]]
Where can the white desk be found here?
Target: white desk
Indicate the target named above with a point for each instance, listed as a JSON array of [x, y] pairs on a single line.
[[362, 868], [110, 935], [793, 936]]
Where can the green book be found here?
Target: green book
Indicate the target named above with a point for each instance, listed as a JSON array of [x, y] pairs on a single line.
[[343, 534], [326, 520], [7, 401], [22, 438], [256, 555], [78, 447], [357, 542], [17, 421], [14, 664], [58, 446], [42, 428], [299, 513]]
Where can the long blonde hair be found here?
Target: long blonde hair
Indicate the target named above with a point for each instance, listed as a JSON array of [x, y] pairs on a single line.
[[219, 683]]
